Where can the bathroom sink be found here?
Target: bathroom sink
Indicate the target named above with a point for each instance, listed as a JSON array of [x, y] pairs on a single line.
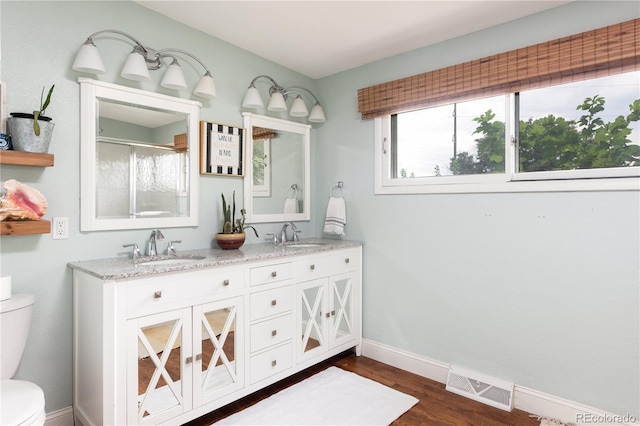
[[169, 261], [303, 245]]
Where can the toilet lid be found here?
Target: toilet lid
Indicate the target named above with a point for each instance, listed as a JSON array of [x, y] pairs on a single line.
[[20, 401]]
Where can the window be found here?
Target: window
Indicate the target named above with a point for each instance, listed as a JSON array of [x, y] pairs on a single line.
[[577, 131]]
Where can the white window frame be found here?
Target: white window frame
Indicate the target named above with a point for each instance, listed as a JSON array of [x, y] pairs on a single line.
[[611, 179]]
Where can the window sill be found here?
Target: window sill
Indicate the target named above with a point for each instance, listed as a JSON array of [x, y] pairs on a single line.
[[573, 185]]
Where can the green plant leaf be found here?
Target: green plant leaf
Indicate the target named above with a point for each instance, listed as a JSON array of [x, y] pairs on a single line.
[[36, 126]]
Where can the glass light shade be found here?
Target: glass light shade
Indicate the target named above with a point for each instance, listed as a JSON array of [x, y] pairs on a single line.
[[317, 114], [252, 98], [205, 87], [276, 103], [298, 109], [88, 60], [173, 77], [135, 68]]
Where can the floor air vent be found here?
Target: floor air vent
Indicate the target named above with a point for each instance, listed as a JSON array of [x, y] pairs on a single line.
[[487, 390]]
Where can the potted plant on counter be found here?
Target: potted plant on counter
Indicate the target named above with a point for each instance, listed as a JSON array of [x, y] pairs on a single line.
[[232, 235], [32, 132]]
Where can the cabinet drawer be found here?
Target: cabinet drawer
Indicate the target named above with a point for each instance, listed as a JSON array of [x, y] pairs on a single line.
[[271, 362], [271, 302], [321, 265], [271, 332], [271, 273], [150, 293]]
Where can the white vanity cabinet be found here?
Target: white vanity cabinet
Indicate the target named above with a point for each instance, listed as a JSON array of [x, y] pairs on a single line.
[[167, 347]]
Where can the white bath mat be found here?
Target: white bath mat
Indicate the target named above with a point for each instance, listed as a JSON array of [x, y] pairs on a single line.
[[331, 397]]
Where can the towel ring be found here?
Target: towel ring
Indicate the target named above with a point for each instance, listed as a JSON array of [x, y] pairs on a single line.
[[293, 190], [337, 187]]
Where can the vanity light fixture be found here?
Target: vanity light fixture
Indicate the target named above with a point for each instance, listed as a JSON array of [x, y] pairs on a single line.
[[140, 61], [277, 101]]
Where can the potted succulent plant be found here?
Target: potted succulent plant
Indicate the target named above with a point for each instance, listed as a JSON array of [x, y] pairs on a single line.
[[232, 235], [32, 132]]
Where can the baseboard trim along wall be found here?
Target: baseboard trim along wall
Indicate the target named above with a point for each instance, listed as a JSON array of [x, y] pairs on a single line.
[[525, 399], [62, 417]]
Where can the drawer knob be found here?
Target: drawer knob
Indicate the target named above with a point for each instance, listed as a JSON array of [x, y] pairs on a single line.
[[312, 267], [157, 295], [274, 363], [274, 302], [346, 260], [225, 283], [274, 333], [274, 274]]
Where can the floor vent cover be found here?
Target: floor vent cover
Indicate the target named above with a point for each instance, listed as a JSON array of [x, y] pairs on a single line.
[[487, 390]]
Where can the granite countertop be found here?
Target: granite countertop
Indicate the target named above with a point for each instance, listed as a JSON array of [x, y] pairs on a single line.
[[123, 267]]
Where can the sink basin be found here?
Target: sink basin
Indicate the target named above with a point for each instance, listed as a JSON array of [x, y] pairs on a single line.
[[303, 245], [169, 261]]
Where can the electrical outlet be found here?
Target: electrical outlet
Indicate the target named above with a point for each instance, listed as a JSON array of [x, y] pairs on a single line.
[[60, 228]]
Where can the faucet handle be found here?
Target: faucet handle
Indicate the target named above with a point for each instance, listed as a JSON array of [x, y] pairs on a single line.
[[295, 234], [135, 252], [170, 248]]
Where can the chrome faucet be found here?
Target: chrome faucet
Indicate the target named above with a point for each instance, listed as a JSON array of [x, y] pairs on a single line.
[[152, 249], [283, 232]]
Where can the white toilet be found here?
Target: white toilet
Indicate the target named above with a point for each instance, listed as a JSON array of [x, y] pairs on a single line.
[[21, 403]]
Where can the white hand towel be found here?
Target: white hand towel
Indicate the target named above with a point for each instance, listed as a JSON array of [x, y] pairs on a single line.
[[291, 205], [336, 216]]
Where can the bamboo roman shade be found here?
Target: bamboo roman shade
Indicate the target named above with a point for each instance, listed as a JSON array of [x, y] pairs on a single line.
[[605, 51]]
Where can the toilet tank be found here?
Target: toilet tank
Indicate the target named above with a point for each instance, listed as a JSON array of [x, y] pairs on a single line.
[[15, 319]]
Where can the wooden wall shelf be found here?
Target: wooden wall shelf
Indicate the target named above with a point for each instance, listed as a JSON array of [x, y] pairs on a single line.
[[21, 158], [25, 227]]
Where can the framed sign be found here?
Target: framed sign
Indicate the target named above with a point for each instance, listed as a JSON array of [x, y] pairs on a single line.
[[221, 149]]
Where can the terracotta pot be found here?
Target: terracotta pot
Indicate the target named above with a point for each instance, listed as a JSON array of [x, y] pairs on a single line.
[[230, 241]]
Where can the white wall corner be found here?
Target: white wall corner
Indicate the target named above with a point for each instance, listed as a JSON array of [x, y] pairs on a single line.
[[525, 399]]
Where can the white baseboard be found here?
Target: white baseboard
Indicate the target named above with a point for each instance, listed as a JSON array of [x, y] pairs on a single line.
[[525, 399], [62, 417]]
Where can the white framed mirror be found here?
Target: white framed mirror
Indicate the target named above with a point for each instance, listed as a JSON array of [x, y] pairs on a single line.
[[277, 188], [139, 158]]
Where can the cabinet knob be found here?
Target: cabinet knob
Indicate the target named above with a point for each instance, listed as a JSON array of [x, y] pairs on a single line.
[[312, 267], [157, 295], [225, 283], [346, 260], [327, 315], [274, 363], [274, 274], [274, 302], [199, 357], [188, 360], [274, 333], [333, 313]]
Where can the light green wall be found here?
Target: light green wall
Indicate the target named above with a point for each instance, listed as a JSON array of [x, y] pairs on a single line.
[[539, 289], [39, 43]]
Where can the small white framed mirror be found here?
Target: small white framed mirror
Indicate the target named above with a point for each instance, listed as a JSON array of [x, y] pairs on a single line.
[[277, 188], [139, 158]]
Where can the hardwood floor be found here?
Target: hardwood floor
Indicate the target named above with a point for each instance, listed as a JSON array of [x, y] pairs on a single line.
[[437, 406]]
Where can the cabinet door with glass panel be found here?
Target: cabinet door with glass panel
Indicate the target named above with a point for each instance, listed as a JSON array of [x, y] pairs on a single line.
[[325, 314], [182, 359]]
